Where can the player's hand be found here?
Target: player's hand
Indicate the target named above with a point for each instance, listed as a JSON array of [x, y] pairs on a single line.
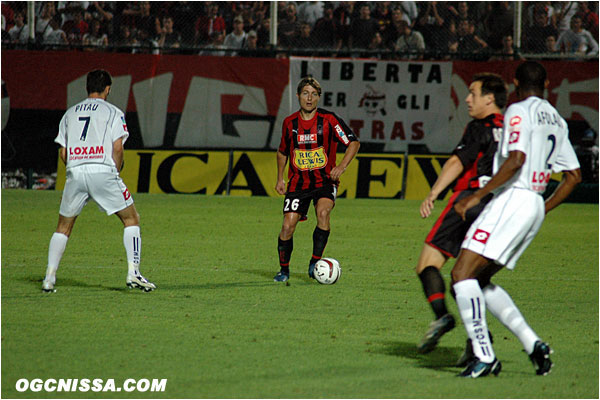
[[427, 206], [280, 187], [336, 172], [465, 205]]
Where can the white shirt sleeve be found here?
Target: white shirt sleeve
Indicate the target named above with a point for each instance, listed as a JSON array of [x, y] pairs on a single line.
[[61, 139], [517, 131], [119, 128], [566, 159]]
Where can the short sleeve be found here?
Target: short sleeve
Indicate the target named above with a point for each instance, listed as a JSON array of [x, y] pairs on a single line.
[[566, 159], [342, 132], [470, 145], [120, 127], [517, 130], [61, 139], [284, 145]]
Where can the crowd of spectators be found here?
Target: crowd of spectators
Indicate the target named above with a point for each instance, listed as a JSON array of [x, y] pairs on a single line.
[[380, 29]]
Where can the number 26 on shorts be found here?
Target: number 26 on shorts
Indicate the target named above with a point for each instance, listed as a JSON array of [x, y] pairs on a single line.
[[291, 205]]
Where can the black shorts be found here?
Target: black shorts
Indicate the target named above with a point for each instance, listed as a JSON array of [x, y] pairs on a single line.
[[298, 202], [449, 230]]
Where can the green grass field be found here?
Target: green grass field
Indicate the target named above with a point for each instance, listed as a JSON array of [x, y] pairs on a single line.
[[219, 327]]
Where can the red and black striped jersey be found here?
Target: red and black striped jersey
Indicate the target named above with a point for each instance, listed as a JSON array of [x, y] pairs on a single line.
[[476, 151], [311, 147]]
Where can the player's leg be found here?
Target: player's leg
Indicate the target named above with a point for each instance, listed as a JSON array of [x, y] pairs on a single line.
[[74, 198], [321, 232], [442, 242], [57, 246], [471, 304], [501, 306], [484, 279], [285, 244], [295, 208], [132, 241], [428, 268]]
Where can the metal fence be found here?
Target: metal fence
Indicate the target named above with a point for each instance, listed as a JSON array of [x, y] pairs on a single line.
[[385, 30]]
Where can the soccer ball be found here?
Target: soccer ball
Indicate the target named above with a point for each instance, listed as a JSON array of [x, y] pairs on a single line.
[[327, 271]]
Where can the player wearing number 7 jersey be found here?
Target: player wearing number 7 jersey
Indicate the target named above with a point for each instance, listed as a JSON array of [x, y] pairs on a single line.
[[534, 144], [309, 140], [91, 135]]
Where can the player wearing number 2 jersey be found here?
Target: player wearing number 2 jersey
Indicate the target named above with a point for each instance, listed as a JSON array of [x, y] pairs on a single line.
[[309, 140], [534, 144], [91, 135]]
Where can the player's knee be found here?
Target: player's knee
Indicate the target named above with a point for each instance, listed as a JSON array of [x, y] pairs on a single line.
[[458, 274], [65, 230], [287, 230], [323, 215]]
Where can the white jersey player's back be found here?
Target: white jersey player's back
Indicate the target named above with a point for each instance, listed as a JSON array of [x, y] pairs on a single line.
[[88, 130], [534, 127]]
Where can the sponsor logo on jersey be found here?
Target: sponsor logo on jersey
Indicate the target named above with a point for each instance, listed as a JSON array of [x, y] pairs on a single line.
[[514, 137], [307, 138], [481, 236], [310, 159], [86, 153], [126, 194], [341, 134], [124, 124], [540, 180], [515, 121]]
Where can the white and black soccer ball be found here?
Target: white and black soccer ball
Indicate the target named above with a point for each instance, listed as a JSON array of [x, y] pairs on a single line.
[[327, 271]]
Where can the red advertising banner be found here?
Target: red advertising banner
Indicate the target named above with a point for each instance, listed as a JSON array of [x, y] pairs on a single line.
[[235, 102]]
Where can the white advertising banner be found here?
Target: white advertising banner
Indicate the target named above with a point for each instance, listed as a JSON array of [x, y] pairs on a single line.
[[388, 102]]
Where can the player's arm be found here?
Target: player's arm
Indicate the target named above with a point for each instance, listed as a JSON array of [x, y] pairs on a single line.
[[349, 155], [63, 154], [451, 170], [281, 162], [508, 169], [117, 154], [569, 180]]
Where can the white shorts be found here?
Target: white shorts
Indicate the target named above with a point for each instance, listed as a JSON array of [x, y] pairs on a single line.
[[99, 182], [506, 226]]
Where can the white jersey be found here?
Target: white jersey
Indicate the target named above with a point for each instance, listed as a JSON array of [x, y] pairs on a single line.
[[535, 128], [88, 130]]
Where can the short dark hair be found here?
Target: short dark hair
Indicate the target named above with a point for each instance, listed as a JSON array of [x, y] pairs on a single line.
[[309, 80], [97, 81], [531, 76], [493, 84]]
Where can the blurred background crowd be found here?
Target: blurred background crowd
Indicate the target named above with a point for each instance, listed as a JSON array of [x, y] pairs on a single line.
[[380, 29]]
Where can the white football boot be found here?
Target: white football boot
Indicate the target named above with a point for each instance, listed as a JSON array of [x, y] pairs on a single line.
[[48, 286], [136, 280]]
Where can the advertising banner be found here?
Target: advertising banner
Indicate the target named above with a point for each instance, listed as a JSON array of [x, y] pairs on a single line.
[[203, 102], [245, 173], [388, 102]]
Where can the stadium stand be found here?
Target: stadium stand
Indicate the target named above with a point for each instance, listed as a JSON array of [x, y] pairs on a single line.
[[451, 30]]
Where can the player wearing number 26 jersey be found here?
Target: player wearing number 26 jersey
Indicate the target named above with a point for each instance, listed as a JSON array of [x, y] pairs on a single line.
[[91, 135], [311, 146], [309, 141], [535, 142]]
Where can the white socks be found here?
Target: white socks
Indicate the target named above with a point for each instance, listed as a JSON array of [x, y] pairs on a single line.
[[471, 305], [58, 242], [133, 247], [504, 309]]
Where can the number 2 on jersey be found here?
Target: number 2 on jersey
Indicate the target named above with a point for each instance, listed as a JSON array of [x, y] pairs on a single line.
[[85, 127], [552, 140]]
